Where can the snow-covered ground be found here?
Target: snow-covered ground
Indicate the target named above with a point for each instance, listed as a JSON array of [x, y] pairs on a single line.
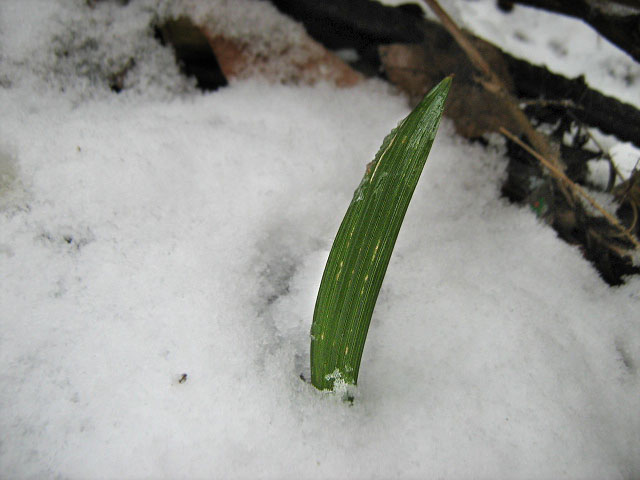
[[163, 232]]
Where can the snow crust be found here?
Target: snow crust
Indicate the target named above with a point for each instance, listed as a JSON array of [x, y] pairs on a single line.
[[162, 231]]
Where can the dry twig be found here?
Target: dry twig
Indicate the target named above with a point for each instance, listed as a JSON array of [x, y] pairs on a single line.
[[560, 175], [492, 83]]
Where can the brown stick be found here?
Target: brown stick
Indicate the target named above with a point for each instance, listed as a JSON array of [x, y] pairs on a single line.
[[494, 84], [560, 175]]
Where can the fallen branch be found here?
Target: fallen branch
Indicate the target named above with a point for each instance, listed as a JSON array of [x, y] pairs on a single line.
[[591, 107]]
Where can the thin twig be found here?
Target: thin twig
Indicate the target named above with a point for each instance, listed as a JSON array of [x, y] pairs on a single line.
[[476, 58], [634, 209], [614, 248], [492, 83], [631, 182], [560, 175]]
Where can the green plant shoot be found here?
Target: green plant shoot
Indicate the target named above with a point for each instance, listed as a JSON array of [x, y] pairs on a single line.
[[362, 248]]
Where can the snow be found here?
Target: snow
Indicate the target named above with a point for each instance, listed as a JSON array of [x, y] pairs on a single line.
[[564, 44], [162, 231]]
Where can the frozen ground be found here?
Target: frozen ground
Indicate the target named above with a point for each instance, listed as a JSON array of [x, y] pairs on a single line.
[[163, 232]]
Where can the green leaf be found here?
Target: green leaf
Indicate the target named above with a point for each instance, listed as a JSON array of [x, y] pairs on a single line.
[[362, 248]]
